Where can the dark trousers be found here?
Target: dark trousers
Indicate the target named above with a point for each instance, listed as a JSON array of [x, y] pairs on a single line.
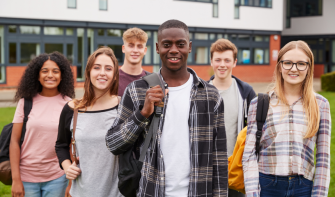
[[234, 193], [285, 186]]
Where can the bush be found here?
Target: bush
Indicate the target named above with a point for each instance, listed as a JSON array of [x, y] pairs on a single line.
[[328, 82]]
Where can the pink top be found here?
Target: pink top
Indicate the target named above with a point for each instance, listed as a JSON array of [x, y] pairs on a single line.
[[38, 161]]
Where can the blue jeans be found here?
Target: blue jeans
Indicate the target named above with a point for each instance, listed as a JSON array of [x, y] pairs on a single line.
[[53, 188], [285, 186]]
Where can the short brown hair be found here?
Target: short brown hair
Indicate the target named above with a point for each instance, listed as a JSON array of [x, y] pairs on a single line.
[[222, 45], [135, 33]]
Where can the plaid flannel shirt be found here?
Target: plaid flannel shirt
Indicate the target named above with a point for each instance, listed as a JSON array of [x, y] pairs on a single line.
[[208, 156], [284, 150]]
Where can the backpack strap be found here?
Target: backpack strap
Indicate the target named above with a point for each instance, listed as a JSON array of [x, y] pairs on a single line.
[[262, 112], [28, 105], [153, 80]]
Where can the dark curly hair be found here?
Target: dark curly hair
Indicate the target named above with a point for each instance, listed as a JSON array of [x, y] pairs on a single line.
[[29, 85]]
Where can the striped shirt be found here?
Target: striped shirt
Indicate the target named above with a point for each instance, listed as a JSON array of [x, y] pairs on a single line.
[[284, 150], [208, 149]]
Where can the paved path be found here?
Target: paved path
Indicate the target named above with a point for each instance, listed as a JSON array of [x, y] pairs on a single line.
[[6, 96]]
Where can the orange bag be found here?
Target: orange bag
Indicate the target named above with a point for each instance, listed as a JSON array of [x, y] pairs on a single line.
[[235, 168]]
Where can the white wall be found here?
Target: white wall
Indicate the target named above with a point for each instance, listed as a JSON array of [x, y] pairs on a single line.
[[314, 25], [152, 12]]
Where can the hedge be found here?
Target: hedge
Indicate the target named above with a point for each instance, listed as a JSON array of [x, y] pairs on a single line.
[[328, 82]]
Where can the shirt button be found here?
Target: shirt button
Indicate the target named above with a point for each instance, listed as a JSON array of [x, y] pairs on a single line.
[[162, 115], [161, 156], [162, 178], [290, 131], [291, 144]]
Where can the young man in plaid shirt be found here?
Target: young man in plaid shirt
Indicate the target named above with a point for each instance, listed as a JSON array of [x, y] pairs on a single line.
[[189, 157]]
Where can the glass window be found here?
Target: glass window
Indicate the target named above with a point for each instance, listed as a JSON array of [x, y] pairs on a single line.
[[30, 29], [215, 10], [90, 42], [266, 38], [101, 32], [12, 53], [69, 31], [189, 58], [114, 32], [191, 36], [49, 48], [266, 56], [258, 56], [155, 55], [118, 52], [201, 55], [320, 55], [71, 3], [53, 31], [219, 36], [12, 28], [212, 36], [2, 74], [262, 3], [333, 51], [314, 51], [201, 36], [69, 52], [149, 34], [2, 51], [80, 61], [243, 37], [233, 37], [147, 57], [243, 56], [258, 38], [29, 51], [236, 12], [102, 4], [269, 3]]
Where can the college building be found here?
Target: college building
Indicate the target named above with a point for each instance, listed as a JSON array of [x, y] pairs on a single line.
[[78, 27]]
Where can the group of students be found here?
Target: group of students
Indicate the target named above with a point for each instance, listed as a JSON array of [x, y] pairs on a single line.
[[197, 130]]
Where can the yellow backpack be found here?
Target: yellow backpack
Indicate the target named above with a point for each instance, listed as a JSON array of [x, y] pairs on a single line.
[[235, 168]]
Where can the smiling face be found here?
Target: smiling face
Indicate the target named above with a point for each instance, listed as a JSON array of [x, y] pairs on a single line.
[[294, 76], [50, 75], [102, 73], [134, 51], [173, 47], [223, 64]]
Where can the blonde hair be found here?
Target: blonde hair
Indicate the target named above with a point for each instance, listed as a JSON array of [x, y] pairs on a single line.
[[310, 104], [222, 45], [135, 34]]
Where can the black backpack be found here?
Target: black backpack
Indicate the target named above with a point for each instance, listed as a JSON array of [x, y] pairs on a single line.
[[262, 111], [5, 170], [129, 167]]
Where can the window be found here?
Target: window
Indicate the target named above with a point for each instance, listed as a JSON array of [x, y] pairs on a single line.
[[30, 29], [2, 74], [215, 9], [156, 56], [29, 51], [12, 28], [243, 56], [236, 12], [12, 53], [2, 50], [69, 31], [90, 42], [80, 60], [201, 55], [69, 52], [147, 57], [114, 32], [118, 52], [201, 36], [261, 38], [53, 31], [212, 36], [49, 48], [103, 5], [254, 3], [72, 4], [244, 37], [305, 8], [101, 32]]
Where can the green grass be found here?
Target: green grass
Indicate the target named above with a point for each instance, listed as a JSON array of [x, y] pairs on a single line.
[[7, 114]]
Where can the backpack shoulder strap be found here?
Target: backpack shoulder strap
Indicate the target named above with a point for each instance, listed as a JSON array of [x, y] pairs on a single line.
[[28, 105], [152, 79], [262, 112]]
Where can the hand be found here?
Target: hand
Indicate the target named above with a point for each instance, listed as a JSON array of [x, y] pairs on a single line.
[[67, 191], [72, 172], [153, 97], [17, 189]]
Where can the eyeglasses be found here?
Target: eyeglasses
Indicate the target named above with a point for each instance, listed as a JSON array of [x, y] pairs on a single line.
[[288, 65]]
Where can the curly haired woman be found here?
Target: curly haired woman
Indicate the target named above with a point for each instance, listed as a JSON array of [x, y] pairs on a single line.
[[48, 82]]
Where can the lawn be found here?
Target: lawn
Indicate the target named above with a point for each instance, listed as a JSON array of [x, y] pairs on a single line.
[[6, 116]]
